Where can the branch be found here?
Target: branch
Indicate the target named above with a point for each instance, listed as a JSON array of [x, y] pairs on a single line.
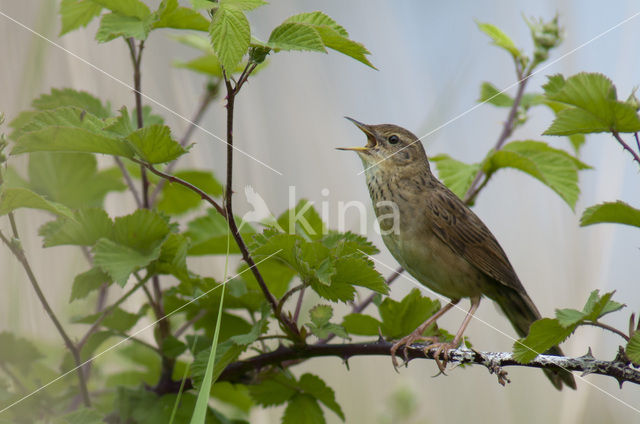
[[209, 96], [184, 327], [287, 325], [129, 181], [507, 130], [16, 249], [607, 327], [626, 147], [243, 371]]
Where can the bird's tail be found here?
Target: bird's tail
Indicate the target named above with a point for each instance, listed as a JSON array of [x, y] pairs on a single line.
[[521, 311]]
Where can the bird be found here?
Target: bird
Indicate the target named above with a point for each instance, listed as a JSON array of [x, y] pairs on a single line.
[[440, 241]]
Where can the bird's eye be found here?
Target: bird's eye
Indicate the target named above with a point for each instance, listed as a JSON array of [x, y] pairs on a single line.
[[393, 139]]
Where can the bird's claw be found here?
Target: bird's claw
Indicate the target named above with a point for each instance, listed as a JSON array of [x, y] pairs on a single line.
[[441, 349], [408, 341]]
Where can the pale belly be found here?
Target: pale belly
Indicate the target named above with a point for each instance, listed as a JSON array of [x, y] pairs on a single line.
[[435, 265]]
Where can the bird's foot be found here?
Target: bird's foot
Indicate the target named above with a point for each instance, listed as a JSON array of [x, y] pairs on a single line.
[[407, 341], [441, 349]]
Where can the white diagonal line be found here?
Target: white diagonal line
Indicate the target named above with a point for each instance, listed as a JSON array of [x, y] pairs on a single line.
[[152, 100], [132, 335], [424, 288], [471, 109]]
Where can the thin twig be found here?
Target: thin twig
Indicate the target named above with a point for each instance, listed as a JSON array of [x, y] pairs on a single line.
[[13, 377], [184, 327], [296, 312], [18, 252], [357, 308], [507, 130], [607, 327], [14, 227], [625, 146], [635, 134], [287, 295], [208, 97], [129, 181]]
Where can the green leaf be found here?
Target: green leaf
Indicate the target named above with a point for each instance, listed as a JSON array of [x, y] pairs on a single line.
[[360, 324], [17, 351], [577, 141], [172, 347], [134, 8], [72, 179], [114, 25], [207, 64], [119, 261], [568, 317], [633, 348], [303, 220], [456, 175], [82, 416], [553, 167], [118, 320], [230, 35], [15, 198], [303, 409], [543, 335], [88, 226], [277, 275], [401, 318], [174, 16], [593, 106], [208, 235], [490, 94], [314, 386], [359, 271], [143, 230], [614, 212], [177, 199], [226, 353], [296, 36], [243, 4], [77, 13], [70, 97], [348, 243], [154, 144], [273, 391], [318, 19], [63, 116], [87, 282], [499, 38], [321, 314], [598, 306]]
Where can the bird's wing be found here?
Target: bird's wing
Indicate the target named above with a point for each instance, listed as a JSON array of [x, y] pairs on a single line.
[[459, 228]]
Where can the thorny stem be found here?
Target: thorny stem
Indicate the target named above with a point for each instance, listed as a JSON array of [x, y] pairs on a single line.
[[626, 147], [296, 312], [287, 295], [18, 252], [507, 130], [607, 327]]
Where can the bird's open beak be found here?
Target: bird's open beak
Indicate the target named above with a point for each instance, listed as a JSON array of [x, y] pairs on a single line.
[[371, 138]]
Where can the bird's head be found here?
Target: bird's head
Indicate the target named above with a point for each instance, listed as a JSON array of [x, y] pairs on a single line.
[[389, 146]]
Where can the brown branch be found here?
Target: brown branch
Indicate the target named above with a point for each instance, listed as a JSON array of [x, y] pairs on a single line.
[[287, 295], [18, 252], [129, 181], [184, 327], [296, 312], [209, 96], [507, 130], [607, 327], [245, 370], [626, 147]]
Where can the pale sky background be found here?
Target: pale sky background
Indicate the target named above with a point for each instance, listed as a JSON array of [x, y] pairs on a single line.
[[431, 60]]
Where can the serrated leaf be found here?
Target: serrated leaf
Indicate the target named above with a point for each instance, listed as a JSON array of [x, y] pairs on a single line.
[[490, 94], [568, 317], [206, 64], [226, 353], [114, 25], [72, 179], [296, 36], [303, 409], [134, 8], [456, 175], [543, 335], [633, 348], [16, 198], [339, 43], [77, 13], [17, 351], [243, 4], [318, 19], [611, 212], [88, 281], [142, 230], [180, 18], [314, 386], [359, 271], [62, 116], [401, 318], [594, 106], [172, 347], [499, 38], [303, 220], [118, 320], [88, 226], [208, 235], [154, 144], [598, 306], [70, 97], [348, 243], [82, 416], [360, 324], [177, 199], [321, 314], [553, 167], [273, 391], [230, 35], [119, 261]]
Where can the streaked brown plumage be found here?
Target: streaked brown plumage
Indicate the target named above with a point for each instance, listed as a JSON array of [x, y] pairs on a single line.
[[439, 240]]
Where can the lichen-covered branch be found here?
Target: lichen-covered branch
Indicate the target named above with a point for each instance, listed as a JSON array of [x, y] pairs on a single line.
[[495, 362]]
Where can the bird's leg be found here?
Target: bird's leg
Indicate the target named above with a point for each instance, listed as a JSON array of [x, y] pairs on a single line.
[[417, 333], [443, 348]]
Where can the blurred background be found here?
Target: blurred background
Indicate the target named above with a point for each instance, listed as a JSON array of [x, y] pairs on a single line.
[[431, 60]]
